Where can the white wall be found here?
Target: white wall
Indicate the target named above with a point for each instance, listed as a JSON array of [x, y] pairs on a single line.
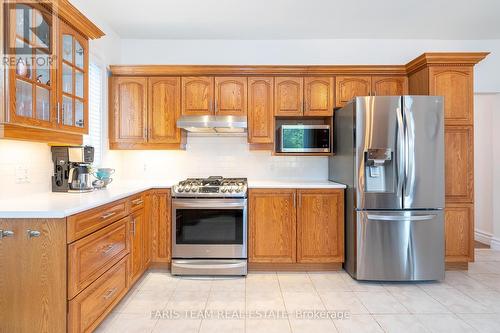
[[314, 52]]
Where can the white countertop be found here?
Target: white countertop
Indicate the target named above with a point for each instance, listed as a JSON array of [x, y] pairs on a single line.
[[60, 205]]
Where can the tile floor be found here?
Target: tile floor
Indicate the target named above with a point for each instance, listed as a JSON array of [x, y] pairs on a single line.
[[314, 301]]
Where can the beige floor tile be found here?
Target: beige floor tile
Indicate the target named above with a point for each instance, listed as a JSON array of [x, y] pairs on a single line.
[[487, 255], [229, 284], [358, 324], [483, 267], [380, 302], [484, 323], [222, 326], [267, 326], [355, 285], [226, 300], [400, 286], [262, 282], [490, 299], [296, 301], [144, 302], [177, 326], [105, 326], [490, 280], [433, 285], [188, 300], [194, 284], [458, 302], [333, 281], [295, 282], [463, 282], [264, 301], [132, 323], [418, 301], [400, 323], [312, 326], [445, 323], [343, 301]]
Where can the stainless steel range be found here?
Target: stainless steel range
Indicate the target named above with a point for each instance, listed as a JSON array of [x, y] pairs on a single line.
[[209, 235]]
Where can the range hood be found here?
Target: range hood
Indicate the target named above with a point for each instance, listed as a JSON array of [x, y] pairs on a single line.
[[213, 124]]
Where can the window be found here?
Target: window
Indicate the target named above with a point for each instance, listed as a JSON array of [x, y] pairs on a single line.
[[94, 138]]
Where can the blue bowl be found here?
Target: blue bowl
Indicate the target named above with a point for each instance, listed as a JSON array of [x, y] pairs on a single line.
[[104, 173]]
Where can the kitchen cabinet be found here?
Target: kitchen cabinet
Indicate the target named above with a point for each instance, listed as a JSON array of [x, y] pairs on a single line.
[[459, 232], [459, 160], [143, 113], [48, 98], [455, 84], [260, 110], [164, 110], [160, 219], [319, 96], [348, 87], [389, 85], [289, 96], [272, 226], [231, 96], [197, 96], [136, 233], [147, 245], [33, 275], [320, 225]]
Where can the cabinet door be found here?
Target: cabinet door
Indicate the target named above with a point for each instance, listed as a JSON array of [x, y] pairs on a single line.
[[73, 81], [161, 215], [459, 232], [348, 87], [389, 86], [197, 96], [459, 159], [128, 112], [289, 96], [32, 84], [231, 96], [33, 276], [320, 226], [147, 230], [164, 110], [260, 110], [136, 245], [272, 226], [455, 84], [318, 96]]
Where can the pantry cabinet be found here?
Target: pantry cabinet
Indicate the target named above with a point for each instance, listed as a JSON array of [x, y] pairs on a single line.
[[260, 110]]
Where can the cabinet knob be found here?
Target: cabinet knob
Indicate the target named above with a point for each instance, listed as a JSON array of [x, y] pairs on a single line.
[[6, 233], [33, 233]]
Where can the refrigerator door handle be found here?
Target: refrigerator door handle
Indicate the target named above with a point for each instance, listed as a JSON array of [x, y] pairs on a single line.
[[410, 156], [400, 218], [401, 152]]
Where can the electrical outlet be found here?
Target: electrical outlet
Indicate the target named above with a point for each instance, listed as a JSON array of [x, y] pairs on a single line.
[[22, 174], [145, 167]]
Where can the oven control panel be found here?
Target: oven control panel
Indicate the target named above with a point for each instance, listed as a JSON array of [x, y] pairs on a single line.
[[211, 187]]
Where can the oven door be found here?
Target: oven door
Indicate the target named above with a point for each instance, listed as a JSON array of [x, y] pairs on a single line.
[[209, 228]]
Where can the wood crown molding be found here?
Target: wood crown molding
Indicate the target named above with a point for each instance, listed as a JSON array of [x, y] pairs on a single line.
[[445, 59], [72, 16]]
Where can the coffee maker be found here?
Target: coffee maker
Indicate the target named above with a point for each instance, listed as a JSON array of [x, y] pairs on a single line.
[[72, 168]]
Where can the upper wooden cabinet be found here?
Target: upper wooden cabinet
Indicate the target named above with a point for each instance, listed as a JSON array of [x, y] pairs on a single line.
[[389, 85], [231, 96], [319, 96], [164, 110], [260, 110], [197, 96], [288, 96], [320, 225], [129, 110], [455, 84], [348, 87], [272, 226]]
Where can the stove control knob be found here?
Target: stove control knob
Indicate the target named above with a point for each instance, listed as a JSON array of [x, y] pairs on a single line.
[[180, 188], [223, 189], [187, 188], [194, 188], [241, 188]]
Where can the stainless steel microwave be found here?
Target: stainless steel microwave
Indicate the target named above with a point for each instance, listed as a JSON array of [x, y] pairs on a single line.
[[304, 139]]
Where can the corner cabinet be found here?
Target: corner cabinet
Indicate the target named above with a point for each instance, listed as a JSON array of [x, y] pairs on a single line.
[[143, 113], [47, 98]]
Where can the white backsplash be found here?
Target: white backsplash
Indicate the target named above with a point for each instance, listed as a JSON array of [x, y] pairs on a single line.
[[220, 156]]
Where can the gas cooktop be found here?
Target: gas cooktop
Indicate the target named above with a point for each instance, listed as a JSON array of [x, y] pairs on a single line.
[[211, 187]]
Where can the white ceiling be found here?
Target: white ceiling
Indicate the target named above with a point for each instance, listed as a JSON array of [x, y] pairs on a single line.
[[301, 19]]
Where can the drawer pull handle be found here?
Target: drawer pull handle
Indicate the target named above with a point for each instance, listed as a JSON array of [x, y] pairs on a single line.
[[137, 202], [108, 248], [6, 233], [110, 293], [105, 216], [33, 233]]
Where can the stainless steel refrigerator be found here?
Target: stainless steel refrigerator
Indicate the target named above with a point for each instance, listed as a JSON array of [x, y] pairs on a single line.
[[389, 151]]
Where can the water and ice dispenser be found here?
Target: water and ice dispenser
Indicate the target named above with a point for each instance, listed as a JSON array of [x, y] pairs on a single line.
[[379, 170]]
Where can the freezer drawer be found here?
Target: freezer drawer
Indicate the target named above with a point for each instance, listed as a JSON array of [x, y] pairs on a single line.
[[400, 245]]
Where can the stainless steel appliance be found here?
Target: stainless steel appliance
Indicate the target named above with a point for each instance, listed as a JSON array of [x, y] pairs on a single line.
[[213, 124], [72, 166], [389, 151], [209, 235], [302, 138]]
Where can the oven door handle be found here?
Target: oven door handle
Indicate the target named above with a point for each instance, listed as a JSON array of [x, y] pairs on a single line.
[[210, 203]]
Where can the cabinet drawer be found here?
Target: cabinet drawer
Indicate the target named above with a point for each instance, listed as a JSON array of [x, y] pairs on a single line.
[[136, 202], [93, 255], [80, 225], [91, 306]]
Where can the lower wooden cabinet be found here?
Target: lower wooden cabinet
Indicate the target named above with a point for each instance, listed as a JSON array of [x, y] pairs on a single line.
[[160, 220], [459, 232], [272, 226], [296, 226], [320, 226], [136, 245]]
